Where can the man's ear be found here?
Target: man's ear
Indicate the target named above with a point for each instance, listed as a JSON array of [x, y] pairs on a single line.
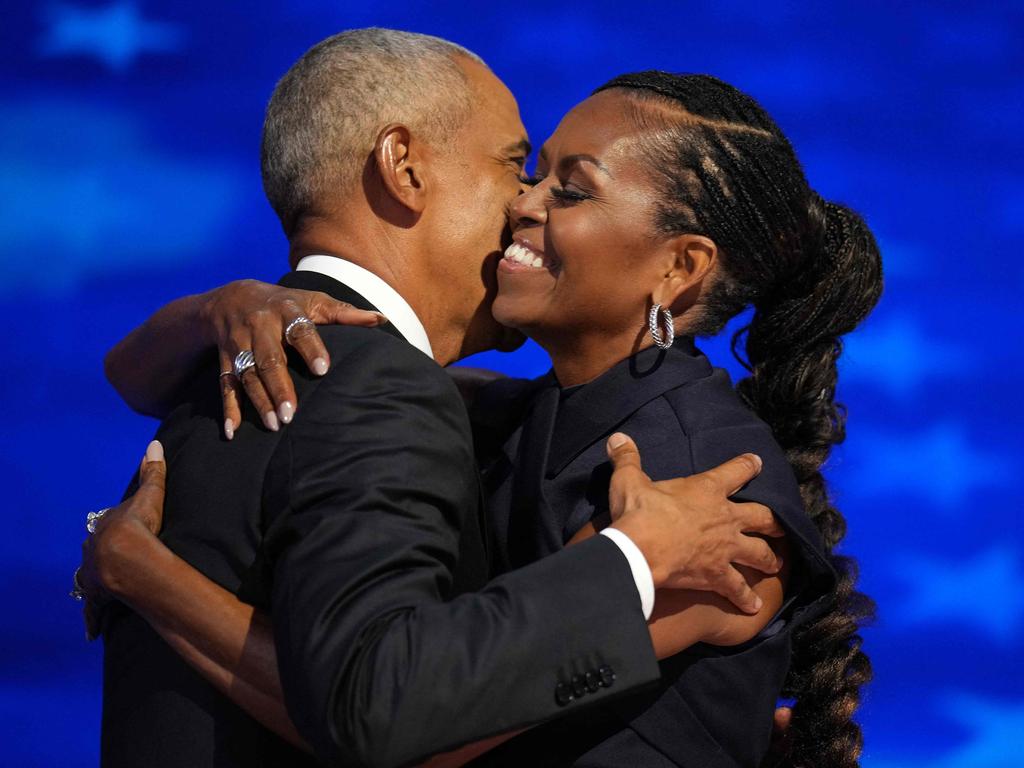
[[689, 260], [400, 163]]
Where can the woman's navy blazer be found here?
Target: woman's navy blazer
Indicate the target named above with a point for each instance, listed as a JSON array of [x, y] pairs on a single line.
[[546, 473]]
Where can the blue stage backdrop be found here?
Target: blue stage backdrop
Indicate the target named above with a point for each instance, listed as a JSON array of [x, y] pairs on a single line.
[[129, 136]]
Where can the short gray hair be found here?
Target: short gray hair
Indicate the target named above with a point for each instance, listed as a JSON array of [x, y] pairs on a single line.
[[325, 113]]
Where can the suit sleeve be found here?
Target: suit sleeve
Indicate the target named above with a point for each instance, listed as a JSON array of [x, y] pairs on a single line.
[[367, 496]]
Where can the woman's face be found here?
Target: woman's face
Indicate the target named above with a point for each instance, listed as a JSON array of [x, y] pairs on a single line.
[[585, 260]]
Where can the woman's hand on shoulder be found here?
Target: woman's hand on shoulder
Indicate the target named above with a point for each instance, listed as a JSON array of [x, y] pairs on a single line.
[[256, 317]]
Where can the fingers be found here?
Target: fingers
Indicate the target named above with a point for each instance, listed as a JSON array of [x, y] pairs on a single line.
[[627, 471], [274, 376], [735, 473], [757, 518], [148, 501], [260, 399], [343, 313], [306, 340], [756, 553], [623, 452], [230, 397], [734, 588], [783, 717], [325, 310], [91, 614]]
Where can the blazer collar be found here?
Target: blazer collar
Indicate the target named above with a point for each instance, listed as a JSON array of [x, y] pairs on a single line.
[[315, 281], [596, 408]]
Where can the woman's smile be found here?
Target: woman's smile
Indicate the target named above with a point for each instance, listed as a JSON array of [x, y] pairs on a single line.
[[522, 256]]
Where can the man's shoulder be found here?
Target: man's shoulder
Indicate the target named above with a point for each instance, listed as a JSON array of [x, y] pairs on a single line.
[[371, 364], [377, 347]]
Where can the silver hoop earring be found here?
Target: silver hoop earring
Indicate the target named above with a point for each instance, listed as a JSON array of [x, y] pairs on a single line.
[[654, 325]]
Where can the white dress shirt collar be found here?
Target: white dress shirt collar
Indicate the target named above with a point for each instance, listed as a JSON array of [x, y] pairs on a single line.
[[374, 290]]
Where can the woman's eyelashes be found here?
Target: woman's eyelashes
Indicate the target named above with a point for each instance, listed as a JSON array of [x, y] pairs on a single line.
[[558, 194], [566, 195]]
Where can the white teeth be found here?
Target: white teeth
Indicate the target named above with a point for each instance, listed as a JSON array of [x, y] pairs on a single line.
[[520, 254]]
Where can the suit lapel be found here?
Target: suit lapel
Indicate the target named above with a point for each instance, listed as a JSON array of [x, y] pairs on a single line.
[[601, 405], [315, 281], [533, 530]]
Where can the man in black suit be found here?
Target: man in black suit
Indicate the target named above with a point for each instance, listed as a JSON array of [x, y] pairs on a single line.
[[390, 159]]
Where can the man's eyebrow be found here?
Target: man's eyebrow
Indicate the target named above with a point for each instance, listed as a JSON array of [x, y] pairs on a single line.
[[522, 146]]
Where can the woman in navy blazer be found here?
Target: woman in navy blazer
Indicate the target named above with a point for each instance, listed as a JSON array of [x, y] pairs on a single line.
[[664, 206], [678, 199]]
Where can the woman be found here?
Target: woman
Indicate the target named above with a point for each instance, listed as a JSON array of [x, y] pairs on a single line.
[[666, 205]]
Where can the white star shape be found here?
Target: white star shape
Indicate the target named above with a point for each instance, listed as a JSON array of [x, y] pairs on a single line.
[[941, 464], [981, 592], [115, 34], [898, 356]]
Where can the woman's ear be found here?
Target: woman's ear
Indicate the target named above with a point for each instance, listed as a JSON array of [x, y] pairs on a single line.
[[400, 164], [690, 259]]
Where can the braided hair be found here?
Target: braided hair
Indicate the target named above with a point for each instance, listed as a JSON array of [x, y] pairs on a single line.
[[812, 271]]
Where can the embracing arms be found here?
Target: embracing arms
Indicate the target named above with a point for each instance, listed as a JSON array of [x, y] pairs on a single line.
[[232, 645], [246, 314]]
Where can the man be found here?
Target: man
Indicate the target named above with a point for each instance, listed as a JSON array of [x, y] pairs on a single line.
[[390, 159]]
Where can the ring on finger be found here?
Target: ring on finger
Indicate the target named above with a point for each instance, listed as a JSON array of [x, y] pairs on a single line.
[[244, 361], [76, 590], [94, 517], [300, 323]]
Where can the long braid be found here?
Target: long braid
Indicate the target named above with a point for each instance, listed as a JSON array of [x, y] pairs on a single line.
[[812, 271]]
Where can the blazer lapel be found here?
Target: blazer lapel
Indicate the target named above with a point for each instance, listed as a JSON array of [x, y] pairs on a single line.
[[533, 530], [610, 399], [315, 281]]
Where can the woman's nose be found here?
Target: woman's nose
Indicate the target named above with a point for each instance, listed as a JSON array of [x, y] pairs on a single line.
[[528, 207]]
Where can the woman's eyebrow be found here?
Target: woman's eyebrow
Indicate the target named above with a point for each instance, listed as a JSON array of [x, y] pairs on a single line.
[[570, 160]]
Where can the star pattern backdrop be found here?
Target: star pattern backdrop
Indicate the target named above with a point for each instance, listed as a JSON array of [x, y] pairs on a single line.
[[129, 134]]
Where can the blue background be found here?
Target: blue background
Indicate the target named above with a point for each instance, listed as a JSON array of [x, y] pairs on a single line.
[[129, 175]]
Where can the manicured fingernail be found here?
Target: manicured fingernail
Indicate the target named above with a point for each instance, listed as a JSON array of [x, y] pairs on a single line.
[[154, 451], [758, 602], [229, 429], [319, 366], [757, 460], [270, 420], [285, 411], [616, 440], [381, 318]]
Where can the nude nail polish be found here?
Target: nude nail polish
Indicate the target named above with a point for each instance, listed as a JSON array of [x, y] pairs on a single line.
[[285, 411], [270, 420]]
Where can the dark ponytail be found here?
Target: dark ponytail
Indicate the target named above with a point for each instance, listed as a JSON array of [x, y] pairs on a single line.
[[792, 345], [812, 271]]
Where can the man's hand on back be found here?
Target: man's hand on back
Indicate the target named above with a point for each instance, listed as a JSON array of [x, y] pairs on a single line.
[[689, 531]]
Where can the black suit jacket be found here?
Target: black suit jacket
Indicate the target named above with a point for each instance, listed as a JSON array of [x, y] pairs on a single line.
[[547, 475], [360, 526]]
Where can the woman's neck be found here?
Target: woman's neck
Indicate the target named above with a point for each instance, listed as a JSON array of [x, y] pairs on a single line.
[[581, 359]]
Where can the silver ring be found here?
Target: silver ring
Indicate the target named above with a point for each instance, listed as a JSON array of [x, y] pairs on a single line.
[[93, 517], [76, 591], [299, 322], [244, 361]]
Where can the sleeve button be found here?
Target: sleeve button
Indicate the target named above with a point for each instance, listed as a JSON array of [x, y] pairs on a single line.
[[563, 694], [607, 676], [579, 686]]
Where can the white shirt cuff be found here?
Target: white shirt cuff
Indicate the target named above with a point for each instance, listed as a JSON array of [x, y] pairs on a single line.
[[638, 565]]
